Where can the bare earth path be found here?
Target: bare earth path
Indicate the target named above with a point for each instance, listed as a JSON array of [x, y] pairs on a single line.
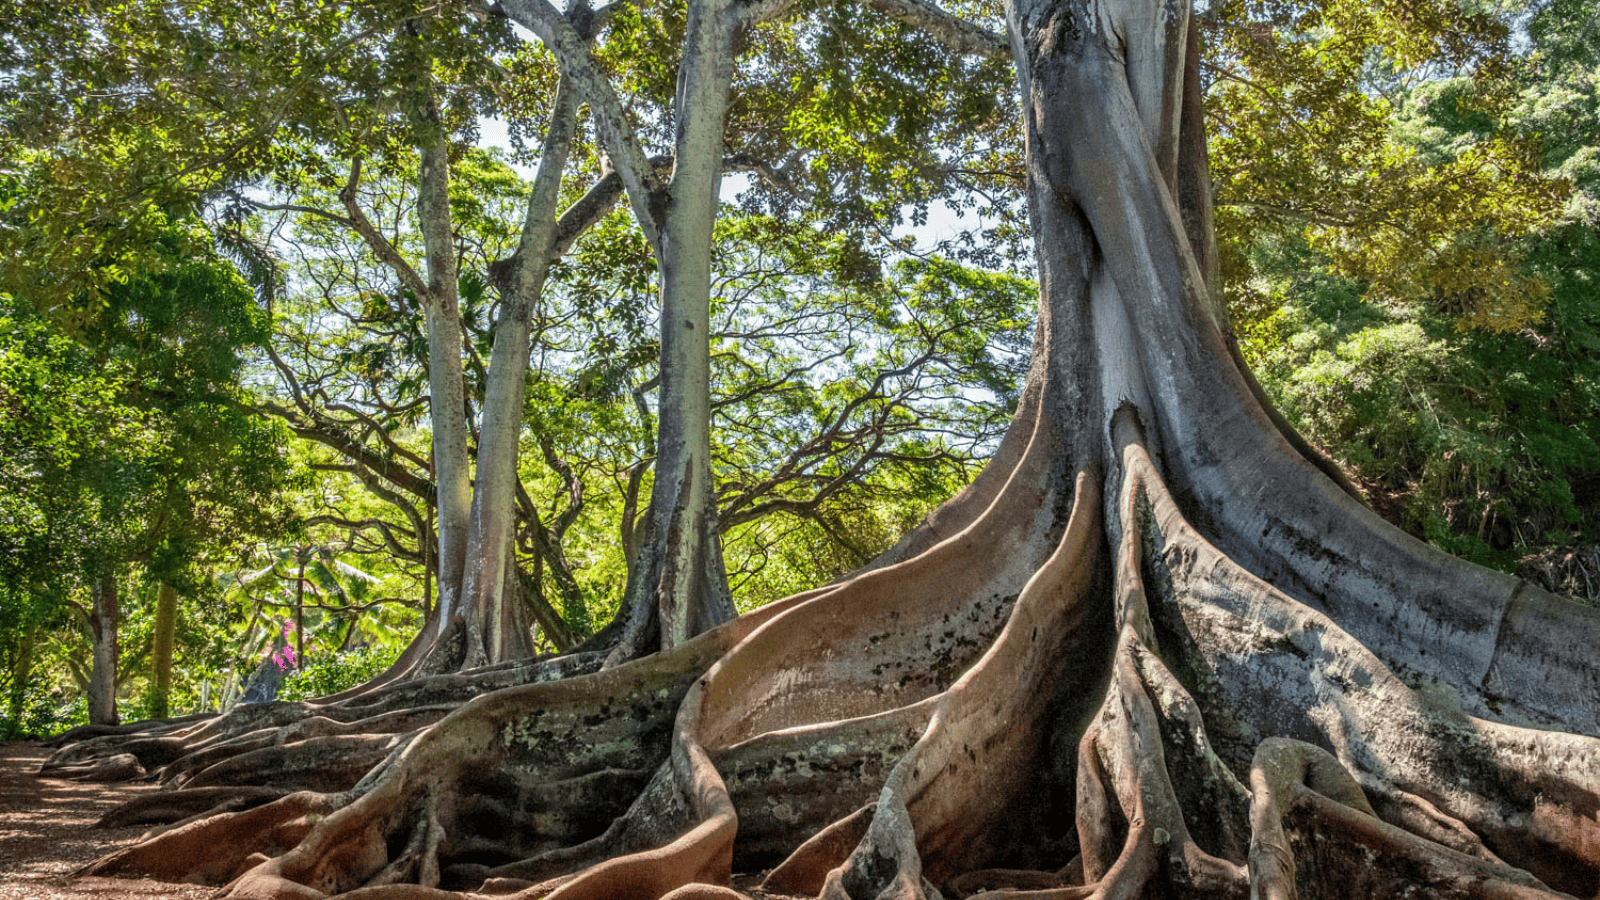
[[46, 834]]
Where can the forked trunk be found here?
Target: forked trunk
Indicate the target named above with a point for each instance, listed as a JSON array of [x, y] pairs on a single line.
[[678, 587], [491, 589]]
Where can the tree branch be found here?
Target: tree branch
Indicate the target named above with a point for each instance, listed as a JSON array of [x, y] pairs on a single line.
[[571, 49], [953, 31], [380, 245]]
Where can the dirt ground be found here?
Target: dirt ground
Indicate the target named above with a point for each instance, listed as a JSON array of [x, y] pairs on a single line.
[[47, 833]]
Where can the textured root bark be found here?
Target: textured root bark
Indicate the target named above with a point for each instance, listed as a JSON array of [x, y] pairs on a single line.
[[523, 753], [215, 849], [208, 750], [1265, 664], [162, 808], [1151, 652], [1212, 736], [898, 645]]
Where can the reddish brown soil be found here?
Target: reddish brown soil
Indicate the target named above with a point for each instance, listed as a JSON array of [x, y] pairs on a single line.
[[47, 833]]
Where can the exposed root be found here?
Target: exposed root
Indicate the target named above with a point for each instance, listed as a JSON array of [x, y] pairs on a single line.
[[929, 810], [1289, 774], [807, 868], [155, 809], [483, 758], [216, 849], [1281, 768], [176, 749], [117, 767], [703, 855], [1267, 664], [82, 733], [418, 863], [922, 760], [326, 764], [642, 854], [1006, 882], [1412, 813]]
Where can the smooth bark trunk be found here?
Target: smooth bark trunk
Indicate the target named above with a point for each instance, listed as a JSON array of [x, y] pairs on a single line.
[[447, 397], [104, 619], [489, 591], [679, 587]]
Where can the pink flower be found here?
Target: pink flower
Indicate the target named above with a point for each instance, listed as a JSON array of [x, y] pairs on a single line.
[[285, 657]]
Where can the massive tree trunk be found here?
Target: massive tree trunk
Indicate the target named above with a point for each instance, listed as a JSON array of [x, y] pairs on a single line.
[[1153, 651]]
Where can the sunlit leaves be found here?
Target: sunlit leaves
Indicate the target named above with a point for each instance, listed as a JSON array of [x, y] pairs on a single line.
[[1468, 398], [1327, 119], [861, 122]]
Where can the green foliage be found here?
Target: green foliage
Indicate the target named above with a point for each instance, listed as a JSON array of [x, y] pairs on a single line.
[[41, 713], [126, 450], [1486, 439], [1475, 421], [848, 397], [862, 124], [340, 603], [62, 422], [329, 673], [1378, 135]]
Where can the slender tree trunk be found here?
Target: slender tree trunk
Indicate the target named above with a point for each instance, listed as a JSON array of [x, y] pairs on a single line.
[[300, 613], [486, 597], [22, 657], [104, 618], [161, 642], [678, 587], [447, 396]]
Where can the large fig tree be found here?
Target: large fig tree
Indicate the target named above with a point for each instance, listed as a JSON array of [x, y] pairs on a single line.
[[1154, 650]]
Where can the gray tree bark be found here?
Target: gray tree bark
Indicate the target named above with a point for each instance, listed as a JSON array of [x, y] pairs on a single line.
[[678, 586], [491, 575], [447, 396], [104, 621]]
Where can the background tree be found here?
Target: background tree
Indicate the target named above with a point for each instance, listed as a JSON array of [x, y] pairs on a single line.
[[147, 456], [1465, 413]]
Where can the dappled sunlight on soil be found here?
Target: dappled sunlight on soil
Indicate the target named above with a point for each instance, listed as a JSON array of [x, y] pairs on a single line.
[[46, 834]]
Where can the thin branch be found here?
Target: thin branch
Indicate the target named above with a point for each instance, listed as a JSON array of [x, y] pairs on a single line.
[[645, 189], [379, 244], [953, 31]]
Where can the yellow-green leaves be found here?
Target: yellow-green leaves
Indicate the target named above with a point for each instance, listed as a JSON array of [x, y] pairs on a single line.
[[1377, 134]]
